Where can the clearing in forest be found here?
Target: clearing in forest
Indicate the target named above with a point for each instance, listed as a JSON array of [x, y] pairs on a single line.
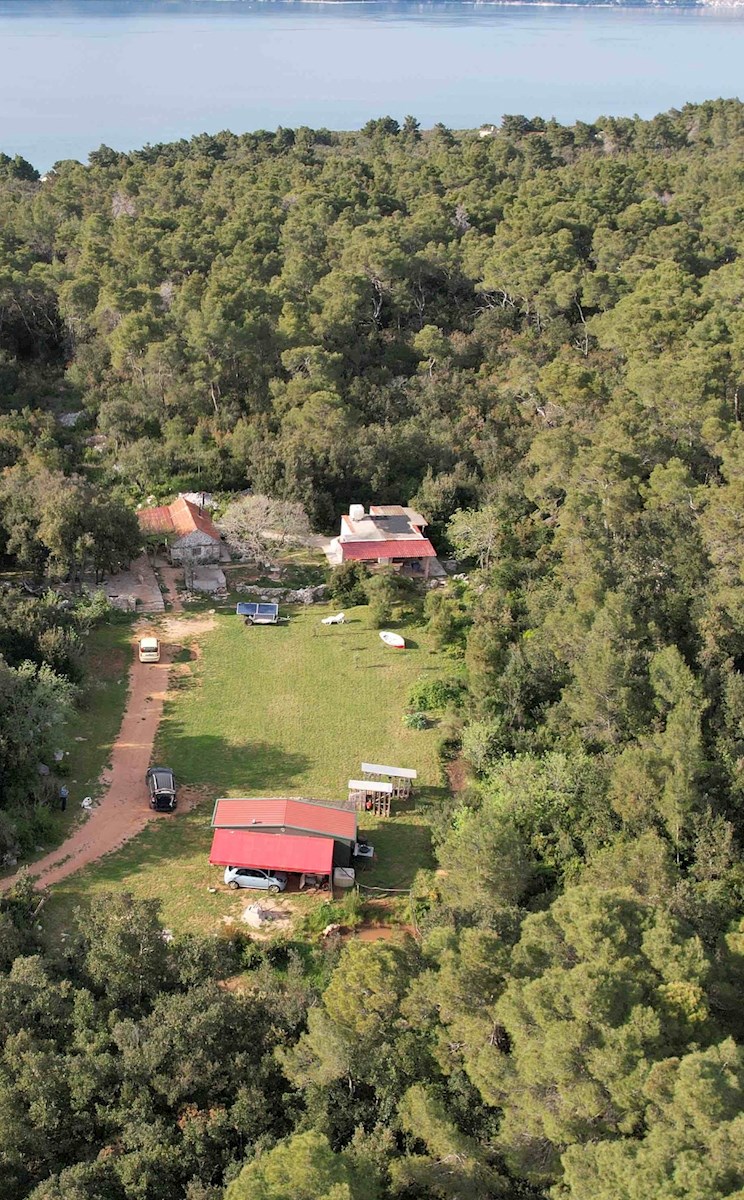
[[286, 710]]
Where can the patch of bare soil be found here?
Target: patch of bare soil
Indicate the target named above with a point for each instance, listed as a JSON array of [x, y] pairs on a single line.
[[189, 797], [457, 775], [279, 913], [124, 808], [176, 629]]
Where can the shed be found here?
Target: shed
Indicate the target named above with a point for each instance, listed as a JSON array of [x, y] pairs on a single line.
[[288, 817], [371, 795], [296, 855]]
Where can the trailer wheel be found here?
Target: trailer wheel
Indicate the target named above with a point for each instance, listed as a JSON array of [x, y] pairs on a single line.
[[248, 621]]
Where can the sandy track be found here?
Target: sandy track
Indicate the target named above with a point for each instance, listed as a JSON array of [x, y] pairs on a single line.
[[124, 807]]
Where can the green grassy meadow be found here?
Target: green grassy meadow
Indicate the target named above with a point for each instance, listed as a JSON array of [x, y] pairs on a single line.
[[286, 710], [89, 735], [92, 731]]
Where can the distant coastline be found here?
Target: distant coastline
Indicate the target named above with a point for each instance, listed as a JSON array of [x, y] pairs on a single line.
[[422, 4], [655, 4]]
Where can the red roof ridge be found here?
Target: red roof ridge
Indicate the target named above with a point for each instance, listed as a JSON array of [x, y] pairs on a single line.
[[276, 812], [392, 548], [181, 517]]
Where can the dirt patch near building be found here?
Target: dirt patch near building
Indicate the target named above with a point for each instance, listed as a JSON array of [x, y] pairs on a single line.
[[177, 629], [139, 583]]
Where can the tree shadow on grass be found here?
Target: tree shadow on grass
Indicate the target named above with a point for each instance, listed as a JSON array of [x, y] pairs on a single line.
[[251, 767], [401, 850]]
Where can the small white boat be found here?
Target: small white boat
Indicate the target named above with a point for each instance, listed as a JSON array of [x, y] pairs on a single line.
[[393, 639]]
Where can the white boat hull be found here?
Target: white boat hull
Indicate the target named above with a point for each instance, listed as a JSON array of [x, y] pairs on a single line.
[[393, 639]]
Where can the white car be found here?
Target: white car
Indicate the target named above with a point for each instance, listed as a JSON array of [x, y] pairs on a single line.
[[149, 650], [254, 877]]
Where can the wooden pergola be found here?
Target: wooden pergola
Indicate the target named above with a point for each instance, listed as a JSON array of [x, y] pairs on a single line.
[[368, 795], [401, 778]]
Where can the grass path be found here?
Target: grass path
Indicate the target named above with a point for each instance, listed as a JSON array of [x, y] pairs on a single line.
[[291, 710]]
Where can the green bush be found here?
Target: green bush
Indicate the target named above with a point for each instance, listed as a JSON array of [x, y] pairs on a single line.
[[416, 720], [483, 742], [447, 620], [334, 912], [434, 695], [347, 583], [252, 955], [35, 826], [93, 608]]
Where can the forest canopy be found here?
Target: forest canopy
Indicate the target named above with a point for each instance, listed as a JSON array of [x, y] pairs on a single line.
[[536, 338]]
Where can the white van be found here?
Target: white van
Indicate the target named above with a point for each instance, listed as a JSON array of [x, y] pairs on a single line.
[[149, 649]]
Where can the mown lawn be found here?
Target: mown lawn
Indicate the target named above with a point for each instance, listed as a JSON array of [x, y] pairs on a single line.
[[291, 710]]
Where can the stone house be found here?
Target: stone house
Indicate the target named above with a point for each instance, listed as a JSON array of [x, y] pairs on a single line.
[[190, 535]]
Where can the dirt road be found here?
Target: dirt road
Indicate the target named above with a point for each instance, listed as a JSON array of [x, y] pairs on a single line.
[[124, 808]]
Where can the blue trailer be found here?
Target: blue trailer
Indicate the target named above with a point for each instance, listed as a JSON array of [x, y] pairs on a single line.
[[258, 614]]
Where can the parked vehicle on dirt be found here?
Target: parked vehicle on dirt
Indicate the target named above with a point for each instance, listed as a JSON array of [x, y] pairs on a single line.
[[254, 877], [149, 650], [161, 784]]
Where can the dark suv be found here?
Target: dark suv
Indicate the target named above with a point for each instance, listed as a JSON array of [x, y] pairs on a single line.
[[161, 783]]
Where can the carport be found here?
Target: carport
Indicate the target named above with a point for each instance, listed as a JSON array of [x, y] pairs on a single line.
[[283, 816], [295, 855]]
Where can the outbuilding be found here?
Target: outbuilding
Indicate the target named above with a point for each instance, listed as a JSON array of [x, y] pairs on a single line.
[[287, 817], [295, 855]]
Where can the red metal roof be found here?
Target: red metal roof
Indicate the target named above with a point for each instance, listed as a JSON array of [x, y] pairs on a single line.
[[243, 848], [282, 813], [180, 517], [406, 548]]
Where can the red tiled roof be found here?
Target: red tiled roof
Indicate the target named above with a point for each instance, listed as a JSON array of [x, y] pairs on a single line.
[[280, 814], [156, 520], [180, 517], [187, 518], [241, 848], [408, 548]]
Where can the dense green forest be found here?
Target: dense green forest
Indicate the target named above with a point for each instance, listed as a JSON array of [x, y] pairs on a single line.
[[537, 338]]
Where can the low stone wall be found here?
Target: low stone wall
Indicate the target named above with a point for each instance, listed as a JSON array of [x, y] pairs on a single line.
[[308, 595]]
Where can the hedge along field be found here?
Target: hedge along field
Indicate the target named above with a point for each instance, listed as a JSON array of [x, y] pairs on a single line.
[[286, 710]]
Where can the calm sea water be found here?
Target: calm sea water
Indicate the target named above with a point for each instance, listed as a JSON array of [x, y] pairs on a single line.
[[74, 75]]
